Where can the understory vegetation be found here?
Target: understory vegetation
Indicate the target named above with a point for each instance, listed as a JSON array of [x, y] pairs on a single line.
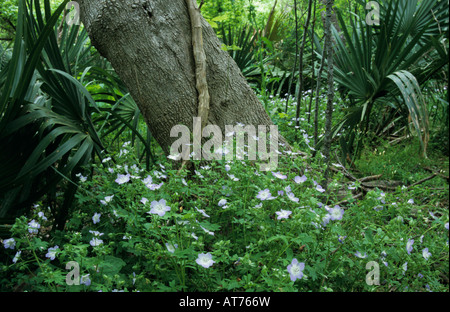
[[89, 202]]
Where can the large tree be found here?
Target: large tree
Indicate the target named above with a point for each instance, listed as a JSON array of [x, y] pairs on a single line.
[[149, 44]]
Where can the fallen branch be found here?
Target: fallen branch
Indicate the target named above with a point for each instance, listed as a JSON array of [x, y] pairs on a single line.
[[438, 173], [423, 180], [348, 200], [370, 178], [398, 140]]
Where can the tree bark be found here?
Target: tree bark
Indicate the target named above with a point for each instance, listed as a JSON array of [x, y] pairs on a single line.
[[149, 44]]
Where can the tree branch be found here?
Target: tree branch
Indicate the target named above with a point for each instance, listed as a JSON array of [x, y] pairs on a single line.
[[200, 64]]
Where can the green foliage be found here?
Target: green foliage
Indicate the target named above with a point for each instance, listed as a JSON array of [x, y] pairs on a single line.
[[50, 118], [128, 248], [58, 129], [375, 64], [119, 245]]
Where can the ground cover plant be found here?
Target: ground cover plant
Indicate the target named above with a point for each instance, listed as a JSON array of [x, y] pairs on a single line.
[[228, 227], [94, 204]]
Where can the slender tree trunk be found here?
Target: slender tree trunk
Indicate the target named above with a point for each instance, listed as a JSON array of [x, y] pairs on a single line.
[[295, 59], [313, 60], [149, 44], [330, 90], [300, 69]]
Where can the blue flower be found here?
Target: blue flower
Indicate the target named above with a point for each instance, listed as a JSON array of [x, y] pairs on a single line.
[[95, 242], [320, 188], [301, 179], [85, 280], [9, 243], [122, 178], [336, 213], [283, 214], [295, 270], [279, 175], [52, 252], [202, 211], [33, 227], [409, 246]]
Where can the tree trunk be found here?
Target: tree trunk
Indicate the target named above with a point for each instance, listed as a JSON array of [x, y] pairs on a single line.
[[149, 44], [300, 68], [330, 91]]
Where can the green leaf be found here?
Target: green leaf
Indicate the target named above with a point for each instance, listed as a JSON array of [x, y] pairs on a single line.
[[111, 265]]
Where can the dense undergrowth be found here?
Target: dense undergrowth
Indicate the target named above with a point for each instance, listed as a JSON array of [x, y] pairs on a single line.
[[226, 226]]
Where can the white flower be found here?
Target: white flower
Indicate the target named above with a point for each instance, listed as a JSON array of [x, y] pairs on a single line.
[[295, 269], [171, 248], [292, 197], [202, 212], [153, 187], [279, 175], [107, 200], [205, 260], [336, 213], [33, 227], [232, 177], [9, 243], [144, 200], [82, 178], [265, 195], [176, 156], [122, 178], [160, 208], [222, 203], [42, 216], [95, 242], [199, 174], [16, 256], [96, 218], [95, 233], [85, 280], [207, 231], [148, 180], [52, 252], [258, 206], [426, 254], [320, 188], [301, 179], [283, 214]]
